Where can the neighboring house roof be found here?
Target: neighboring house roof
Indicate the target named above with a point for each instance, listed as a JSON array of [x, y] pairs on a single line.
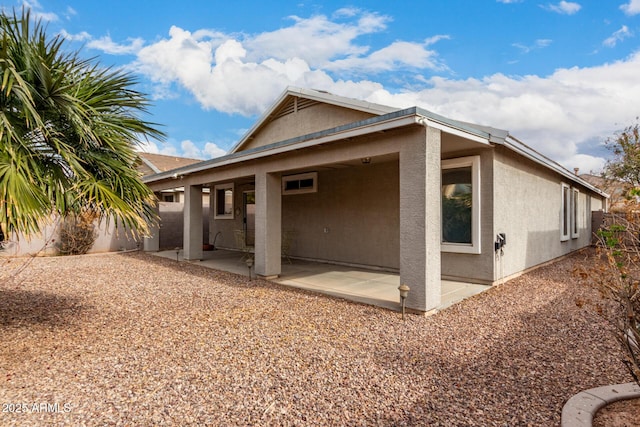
[[616, 189], [152, 164], [383, 118]]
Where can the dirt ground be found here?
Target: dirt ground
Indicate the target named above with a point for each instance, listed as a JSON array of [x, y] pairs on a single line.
[[139, 340], [625, 413]]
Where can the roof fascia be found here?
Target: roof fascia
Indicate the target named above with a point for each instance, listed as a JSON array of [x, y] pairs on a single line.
[[372, 125], [148, 163], [528, 152], [466, 130]]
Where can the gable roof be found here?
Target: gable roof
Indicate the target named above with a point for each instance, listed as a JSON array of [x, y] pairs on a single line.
[[289, 100], [152, 163]]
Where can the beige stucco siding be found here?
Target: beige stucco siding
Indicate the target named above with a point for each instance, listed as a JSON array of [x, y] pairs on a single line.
[[597, 203], [303, 122], [352, 218], [476, 267], [528, 208]]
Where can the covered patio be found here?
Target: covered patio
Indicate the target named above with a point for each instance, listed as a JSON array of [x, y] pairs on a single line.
[[368, 286]]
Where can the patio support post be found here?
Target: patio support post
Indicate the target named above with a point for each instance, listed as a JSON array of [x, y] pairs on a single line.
[[268, 225], [151, 243], [192, 222], [420, 219]]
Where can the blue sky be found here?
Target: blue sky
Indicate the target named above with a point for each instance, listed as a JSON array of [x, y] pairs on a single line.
[[561, 76]]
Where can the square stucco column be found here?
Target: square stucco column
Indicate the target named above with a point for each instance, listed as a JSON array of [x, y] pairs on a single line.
[[151, 243], [192, 222], [268, 225], [420, 219]]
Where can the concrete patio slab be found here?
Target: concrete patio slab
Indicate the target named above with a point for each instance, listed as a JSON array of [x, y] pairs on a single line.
[[375, 287]]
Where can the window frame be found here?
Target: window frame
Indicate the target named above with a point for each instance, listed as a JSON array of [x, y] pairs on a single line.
[[575, 215], [565, 212], [223, 187], [300, 177], [475, 246]]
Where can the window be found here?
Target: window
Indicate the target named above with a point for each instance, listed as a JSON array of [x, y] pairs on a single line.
[[300, 183], [167, 198], [461, 205], [575, 226], [223, 200], [565, 213]]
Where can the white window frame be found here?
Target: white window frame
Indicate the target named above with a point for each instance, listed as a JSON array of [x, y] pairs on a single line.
[[475, 246], [299, 177], [575, 214], [223, 187], [565, 212]]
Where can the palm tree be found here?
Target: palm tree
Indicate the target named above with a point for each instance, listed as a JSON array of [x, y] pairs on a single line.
[[68, 133]]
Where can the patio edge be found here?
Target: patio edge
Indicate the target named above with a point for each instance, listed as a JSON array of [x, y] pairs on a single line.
[[581, 408]]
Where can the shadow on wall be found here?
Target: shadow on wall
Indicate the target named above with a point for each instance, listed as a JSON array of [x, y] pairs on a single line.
[[172, 225], [109, 238]]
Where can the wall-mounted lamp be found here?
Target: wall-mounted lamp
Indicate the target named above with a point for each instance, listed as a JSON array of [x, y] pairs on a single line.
[[404, 293], [365, 160]]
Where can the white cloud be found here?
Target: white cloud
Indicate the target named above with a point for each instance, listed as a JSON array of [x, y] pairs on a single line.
[[244, 74], [211, 150], [556, 114], [559, 115], [509, 1], [631, 8], [153, 147], [619, 35], [564, 7], [79, 37], [71, 12], [538, 44], [316, 40], [192, 150], [107, 45], [397, 54], [37, 13]]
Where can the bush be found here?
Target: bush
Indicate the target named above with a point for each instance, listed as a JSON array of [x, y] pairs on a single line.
[[77, 233], [616, 273]]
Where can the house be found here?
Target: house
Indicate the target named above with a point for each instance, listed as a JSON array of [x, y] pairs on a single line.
[[404, 190], [151, 163]]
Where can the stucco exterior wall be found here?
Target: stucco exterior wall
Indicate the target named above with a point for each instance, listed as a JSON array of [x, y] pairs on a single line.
[[476, 268], [353, 218], [528, 208], [597, 203], [305, 121], [45, 243]]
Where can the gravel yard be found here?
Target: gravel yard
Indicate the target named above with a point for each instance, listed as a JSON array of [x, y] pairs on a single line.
[[132, 339]]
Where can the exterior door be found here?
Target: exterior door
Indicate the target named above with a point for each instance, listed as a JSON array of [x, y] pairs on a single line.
[[249, 219]]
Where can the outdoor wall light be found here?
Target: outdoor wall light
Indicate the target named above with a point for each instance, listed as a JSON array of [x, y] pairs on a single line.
[[404, 293], [365, 160], [249, 263]]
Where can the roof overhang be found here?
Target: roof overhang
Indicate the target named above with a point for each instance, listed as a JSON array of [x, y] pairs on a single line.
[[395, 120], [531, 154]]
